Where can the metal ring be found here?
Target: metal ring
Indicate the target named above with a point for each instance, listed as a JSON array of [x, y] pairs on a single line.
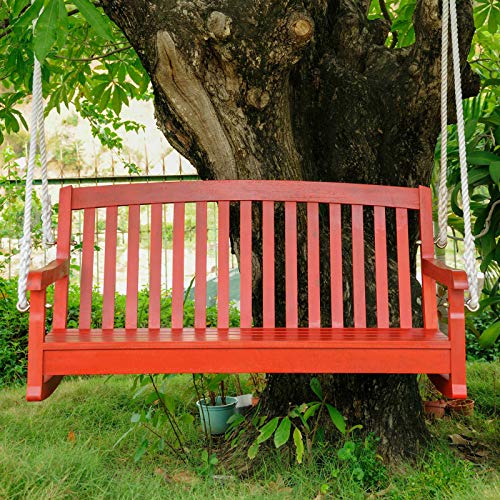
[[23, 308], [440, 245], [471, 308]]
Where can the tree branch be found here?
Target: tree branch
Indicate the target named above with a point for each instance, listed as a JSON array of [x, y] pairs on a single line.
[[90, 59], [388, 18]]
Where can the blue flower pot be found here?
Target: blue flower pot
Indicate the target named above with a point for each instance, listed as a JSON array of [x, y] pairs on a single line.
[[214, 418]]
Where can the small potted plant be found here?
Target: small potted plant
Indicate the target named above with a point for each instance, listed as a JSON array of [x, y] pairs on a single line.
[[434, 405], [215, 406], [463, 407]]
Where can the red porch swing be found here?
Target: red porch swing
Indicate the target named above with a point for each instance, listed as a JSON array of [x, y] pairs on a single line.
[[380, 348]]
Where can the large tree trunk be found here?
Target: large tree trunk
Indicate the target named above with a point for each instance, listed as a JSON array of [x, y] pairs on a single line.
[[289, 89]]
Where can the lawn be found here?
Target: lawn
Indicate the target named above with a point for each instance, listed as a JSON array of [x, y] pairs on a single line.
[[65, 448]]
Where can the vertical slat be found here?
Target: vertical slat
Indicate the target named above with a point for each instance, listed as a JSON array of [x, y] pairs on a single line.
[[108, 302], [87, 269], [403, 267], [200, 291], [223, 266], [268, 263], [178, 267], [358, 267], [63, 252], [336, 286], [155, 266], [291, 264], [381, 267], [429, 305], [246, 264], [134, 225], [313, 265]]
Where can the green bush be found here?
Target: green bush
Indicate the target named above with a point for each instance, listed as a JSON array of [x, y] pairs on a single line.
[[14, 325], [475, 326]]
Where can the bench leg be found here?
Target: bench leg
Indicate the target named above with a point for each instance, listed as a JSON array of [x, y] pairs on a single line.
[[39, 386], [454, 385]]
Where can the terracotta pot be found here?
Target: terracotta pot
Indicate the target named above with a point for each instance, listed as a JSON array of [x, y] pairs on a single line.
[[255, 401], [435, 409], [461, 406]]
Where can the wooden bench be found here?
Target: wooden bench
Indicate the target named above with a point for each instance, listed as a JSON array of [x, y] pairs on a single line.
[[378, 348]]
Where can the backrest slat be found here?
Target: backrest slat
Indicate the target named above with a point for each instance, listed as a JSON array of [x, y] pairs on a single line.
[[134, 226], [108, 302], [155, 266], [87, 269], [246, 264], [429, 306], [381, 267], [358, 267], [178, 267], [291, 264], [223, 266], [336, 285], [268, 263], [313, 265], [200, 291], [63, 252], [403, 267]]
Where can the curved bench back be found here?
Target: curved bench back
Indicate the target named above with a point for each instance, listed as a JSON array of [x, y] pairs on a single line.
[[336, 203]]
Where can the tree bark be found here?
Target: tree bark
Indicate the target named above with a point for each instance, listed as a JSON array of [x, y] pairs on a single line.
[[302, 89]]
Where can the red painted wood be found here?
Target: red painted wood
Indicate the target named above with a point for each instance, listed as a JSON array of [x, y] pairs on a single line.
[[429, 305], [40, 279], [108, 301], [200, 290], [134, 227], [313, 265], [439, 271], [381, 267], [155, 265], [291, 264], [63, 253], [336, 285], [246, 264], [87, 269], [246, 190], [178, 267], [288, 350], [403, 268], [268, 263], [223, 266], [358, 267]]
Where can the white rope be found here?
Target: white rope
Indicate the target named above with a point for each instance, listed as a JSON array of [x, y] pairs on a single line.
[[441, 239], [469, 247], [37, 137]]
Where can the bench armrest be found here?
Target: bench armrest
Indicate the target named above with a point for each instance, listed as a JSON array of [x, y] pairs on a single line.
[[438, 270], [40, 279]]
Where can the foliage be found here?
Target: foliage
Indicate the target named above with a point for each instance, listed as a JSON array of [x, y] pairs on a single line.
[[77, 428], [85, 60]]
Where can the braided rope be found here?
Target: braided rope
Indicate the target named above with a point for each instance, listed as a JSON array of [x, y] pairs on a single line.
[[469, 247], [442, 238], [37, 138]]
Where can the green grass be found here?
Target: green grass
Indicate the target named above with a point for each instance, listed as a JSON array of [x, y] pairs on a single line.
[[64, 448]]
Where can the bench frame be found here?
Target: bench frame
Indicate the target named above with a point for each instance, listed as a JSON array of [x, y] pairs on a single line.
[[247, 349]]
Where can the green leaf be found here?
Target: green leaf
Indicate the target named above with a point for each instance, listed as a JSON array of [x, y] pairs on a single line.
[[29, 15], [135, 417], [253, 450], [141, 450], [316, 387], [490, 335], [94, 18], [481, 157], [282, 434], [46, 29], [311, 411], [299, 445], [267, 430], [495, 172], [336, 418]]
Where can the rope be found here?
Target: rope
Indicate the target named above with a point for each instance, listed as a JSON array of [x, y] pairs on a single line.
[[441, 240], [37, 138], [469, 247]]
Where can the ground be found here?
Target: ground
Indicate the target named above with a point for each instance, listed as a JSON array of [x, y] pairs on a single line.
[[65, 448]]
